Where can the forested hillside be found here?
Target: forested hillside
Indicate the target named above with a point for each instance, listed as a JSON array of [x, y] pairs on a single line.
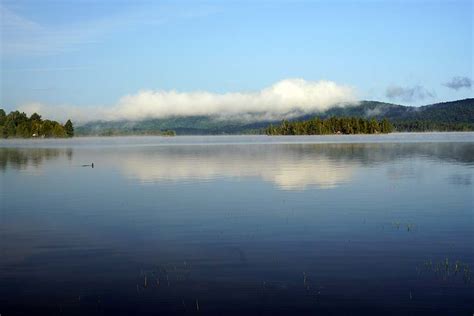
[[448, 116]]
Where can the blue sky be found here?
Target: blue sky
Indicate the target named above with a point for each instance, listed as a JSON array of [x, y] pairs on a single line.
[[87, 54]]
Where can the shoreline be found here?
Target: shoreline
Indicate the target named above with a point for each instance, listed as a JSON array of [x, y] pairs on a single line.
[[141, 140]]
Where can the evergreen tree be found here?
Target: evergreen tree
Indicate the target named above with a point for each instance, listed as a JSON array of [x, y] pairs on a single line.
[[69, 128], [386, 126], [3, 117]]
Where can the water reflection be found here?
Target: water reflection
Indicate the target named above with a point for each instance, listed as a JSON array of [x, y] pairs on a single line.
[[287, 166], [240, 228], [461, 179], [30, 158]]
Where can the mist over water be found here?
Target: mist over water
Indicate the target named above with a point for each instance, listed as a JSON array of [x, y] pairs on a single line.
[[244, 225]]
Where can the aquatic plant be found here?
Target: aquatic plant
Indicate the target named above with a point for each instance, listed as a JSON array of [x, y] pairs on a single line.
[[154, 277], [409, 226], [448, 270]]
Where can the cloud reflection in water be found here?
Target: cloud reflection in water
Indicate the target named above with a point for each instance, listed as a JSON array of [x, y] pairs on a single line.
[[288, 167]]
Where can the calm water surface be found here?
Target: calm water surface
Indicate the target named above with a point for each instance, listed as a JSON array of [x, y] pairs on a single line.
[[238, 225]]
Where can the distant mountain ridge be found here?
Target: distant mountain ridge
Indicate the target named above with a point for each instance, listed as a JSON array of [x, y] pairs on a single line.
[[447, 116]]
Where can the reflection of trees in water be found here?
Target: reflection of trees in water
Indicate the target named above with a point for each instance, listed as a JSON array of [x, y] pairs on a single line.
[[289, 166], [354, 154], [361, 153], [370, 153], [20, 158], [461, 179]]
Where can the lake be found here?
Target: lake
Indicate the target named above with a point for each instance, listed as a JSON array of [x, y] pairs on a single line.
[[326, 225]]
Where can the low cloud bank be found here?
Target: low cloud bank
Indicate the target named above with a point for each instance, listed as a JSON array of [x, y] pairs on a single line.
[[284, 99]]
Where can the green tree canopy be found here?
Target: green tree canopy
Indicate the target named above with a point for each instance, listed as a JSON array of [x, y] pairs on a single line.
[[69, 128], [18, 124], [333, 125]]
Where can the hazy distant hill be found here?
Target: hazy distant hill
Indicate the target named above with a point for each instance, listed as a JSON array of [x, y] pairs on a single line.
[[446, 116], [461, 111]]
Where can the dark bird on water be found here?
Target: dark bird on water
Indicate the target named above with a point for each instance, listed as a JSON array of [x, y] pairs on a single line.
[[91, 165]]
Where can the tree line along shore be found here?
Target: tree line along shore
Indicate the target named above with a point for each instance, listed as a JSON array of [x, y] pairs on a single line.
[[333, 125], [18, 125]]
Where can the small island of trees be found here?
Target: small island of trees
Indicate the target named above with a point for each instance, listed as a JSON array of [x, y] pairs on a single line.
[[19, 125], [333, 125], [168, 132]]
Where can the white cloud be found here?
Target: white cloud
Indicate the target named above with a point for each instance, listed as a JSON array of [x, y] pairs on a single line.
[[285, 98]]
